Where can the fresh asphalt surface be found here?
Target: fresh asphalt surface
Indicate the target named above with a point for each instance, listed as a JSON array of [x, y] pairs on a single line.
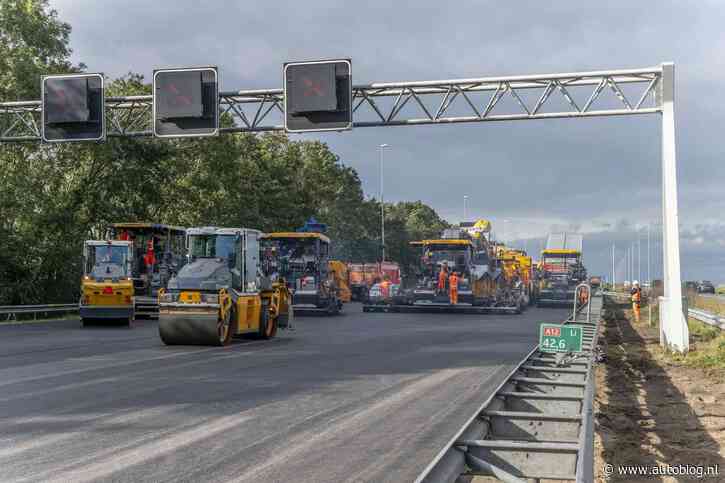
[[357, 397]]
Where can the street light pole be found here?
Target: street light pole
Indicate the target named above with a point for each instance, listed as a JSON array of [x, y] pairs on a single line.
[[649, 275], [382, 202], [639, 257], [614, 268], [465, 213]]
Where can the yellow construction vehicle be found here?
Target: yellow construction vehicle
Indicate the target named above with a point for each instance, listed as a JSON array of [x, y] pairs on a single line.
[[482, 285], [561, 269], [159, 252], [340, 274], [302, 259], [517, 267], [106, 286], [222, 292]]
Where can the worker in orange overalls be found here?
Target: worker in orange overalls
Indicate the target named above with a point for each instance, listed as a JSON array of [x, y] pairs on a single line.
[[150, 257], [442, 277], [453, 288], [583, 296], [385, 287], [636, 293]]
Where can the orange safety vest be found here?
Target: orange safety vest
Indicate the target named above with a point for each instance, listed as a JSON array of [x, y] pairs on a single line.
[[441, 280], [385, 288], [636, 296], [150, 257], [454, 282]]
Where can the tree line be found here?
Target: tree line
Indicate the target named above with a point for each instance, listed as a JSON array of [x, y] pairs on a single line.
[[52, 198]]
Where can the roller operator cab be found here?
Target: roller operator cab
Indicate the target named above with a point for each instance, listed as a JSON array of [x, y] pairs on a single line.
[[302, 259], [222, 291], [107, 291]]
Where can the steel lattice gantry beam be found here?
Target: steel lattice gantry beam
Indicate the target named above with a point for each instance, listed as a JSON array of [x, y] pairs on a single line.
[[400, 103]]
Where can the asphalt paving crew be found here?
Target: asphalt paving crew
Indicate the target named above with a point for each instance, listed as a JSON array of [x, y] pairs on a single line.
[[453, 287], [636, 294]]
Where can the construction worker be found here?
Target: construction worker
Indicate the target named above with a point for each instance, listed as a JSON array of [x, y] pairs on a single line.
[[150, 257], [442, 278], [636, 293], [453, 288], [583, 296], [385, 287]]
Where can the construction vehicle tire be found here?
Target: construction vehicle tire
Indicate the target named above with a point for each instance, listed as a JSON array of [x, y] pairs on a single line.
[[267, 325], [196, 330]]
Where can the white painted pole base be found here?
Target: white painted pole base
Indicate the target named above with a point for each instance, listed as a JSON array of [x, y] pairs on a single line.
[[674, 333]]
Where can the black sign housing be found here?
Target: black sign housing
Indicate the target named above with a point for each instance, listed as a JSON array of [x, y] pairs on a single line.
[[186, 102], [73, 108], [318, 95]]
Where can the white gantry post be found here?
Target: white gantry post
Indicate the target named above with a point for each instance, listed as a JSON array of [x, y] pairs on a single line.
[[674, 333]]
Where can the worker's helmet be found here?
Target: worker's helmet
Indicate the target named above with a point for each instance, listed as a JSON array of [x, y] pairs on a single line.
[[635, 283]]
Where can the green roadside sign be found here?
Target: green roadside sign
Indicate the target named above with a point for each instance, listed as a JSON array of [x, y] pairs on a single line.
[[560, 338]]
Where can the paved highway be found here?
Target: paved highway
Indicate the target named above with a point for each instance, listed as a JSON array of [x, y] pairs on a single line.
[[359, 397]]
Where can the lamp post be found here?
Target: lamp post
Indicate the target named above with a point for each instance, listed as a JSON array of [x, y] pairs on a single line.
[[465, 211], [382, 202]]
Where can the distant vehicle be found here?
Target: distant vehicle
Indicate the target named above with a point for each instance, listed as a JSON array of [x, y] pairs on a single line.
[[705, 286], [691, 286]]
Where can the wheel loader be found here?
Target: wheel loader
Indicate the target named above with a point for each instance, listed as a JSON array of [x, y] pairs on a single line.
[[222, 292], [106, 287]]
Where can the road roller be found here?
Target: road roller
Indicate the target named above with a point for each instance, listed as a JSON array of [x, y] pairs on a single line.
[[222, 292], [106, 286]]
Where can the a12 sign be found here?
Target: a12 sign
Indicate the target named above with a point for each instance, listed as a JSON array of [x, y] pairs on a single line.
[[560, 338]]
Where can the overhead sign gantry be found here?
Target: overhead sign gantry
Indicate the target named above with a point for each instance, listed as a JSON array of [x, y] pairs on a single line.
[[434, 102]]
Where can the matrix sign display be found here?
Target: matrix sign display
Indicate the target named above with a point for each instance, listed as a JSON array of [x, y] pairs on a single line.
[[186, 102], [73, 108], [318, 96]]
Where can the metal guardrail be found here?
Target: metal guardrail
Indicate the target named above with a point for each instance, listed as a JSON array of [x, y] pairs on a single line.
[[10, 312], [538, 423], [707, 317]]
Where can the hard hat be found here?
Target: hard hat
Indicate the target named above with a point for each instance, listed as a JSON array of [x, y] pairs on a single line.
[[635, 282]]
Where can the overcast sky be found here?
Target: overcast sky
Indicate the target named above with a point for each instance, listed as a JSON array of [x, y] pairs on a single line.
[[600, 176]]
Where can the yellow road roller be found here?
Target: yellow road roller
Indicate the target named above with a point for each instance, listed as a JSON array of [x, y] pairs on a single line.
[[106, 286], [222, 292]]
